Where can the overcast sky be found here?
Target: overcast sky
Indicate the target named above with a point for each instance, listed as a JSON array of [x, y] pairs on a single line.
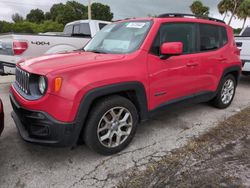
[[120, 8]]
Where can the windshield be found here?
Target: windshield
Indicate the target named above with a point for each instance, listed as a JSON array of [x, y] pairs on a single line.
[[119, 38]]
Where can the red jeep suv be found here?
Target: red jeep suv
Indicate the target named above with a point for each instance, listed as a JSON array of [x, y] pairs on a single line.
[[127, 72]]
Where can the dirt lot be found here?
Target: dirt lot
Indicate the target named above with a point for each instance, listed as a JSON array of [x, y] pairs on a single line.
[[28, 165], [219, 158]]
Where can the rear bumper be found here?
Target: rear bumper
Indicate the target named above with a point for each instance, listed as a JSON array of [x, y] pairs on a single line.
[[39, 127], [245, 66], [7, 68]]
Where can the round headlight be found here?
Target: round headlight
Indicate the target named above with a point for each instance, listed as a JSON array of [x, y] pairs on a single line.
[[42, 85]]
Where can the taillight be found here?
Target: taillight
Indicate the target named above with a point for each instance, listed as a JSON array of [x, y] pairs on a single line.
[[19, 47]]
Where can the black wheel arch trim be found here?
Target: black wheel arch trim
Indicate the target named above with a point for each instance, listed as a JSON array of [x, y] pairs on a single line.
[[231, 69], [92, 95]]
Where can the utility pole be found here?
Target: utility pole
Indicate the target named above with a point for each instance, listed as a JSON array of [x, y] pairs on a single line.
[[89, 10]]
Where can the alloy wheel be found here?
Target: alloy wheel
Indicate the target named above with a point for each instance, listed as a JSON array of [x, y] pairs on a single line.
[[114, 127]]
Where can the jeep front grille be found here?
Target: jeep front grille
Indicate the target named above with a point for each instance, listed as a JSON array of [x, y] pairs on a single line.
[[22, 80]]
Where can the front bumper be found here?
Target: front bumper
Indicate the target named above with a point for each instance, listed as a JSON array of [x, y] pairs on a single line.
[[41, 128]]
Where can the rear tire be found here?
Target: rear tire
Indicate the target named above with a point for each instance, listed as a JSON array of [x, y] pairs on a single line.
[[111, 125], [226, 92]]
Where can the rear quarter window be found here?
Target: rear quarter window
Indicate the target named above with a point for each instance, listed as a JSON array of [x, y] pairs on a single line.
[[209, 37], [68, 30], [212, 37], [85, 29], [76, 29]]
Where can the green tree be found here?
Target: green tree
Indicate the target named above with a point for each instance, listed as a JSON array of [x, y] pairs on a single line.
[[243, 12], [199, 9], [224, 7], [47, 16], [35, 16], [237, 31], [50, 26], [25, 27], [5, 27], [101, 12], [72, 10], [54, 20], [233, 9], [56, 10], [29, 27], [80, 11], [17, 18], [69, 12]]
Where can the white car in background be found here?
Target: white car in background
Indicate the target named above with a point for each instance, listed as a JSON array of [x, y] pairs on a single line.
[[243, 43], [16, 47]]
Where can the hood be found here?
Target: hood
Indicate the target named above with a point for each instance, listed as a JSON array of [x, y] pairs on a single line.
[[46, 64]]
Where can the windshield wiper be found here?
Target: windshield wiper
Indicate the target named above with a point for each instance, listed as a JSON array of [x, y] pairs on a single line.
[[77, 50], [97, 51]]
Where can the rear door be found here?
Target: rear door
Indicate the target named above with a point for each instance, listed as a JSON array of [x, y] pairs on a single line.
[[213, 54], [177, 76]]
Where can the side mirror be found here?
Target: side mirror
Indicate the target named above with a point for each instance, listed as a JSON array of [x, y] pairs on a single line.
[[172, 48]]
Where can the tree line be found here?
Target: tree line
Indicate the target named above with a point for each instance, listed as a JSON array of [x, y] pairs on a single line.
[[38, 21], [232, 8]]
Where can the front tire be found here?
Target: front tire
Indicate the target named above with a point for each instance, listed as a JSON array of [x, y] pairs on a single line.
[[226, 92], [111, 125]]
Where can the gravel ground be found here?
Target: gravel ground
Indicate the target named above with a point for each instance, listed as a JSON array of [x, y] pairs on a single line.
[[219, 158], [28, 165]]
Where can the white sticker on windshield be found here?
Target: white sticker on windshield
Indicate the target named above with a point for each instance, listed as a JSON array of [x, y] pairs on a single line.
[[138, 25]]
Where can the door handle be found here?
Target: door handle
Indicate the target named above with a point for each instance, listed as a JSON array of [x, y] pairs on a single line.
[[192, 64], [220, 59]]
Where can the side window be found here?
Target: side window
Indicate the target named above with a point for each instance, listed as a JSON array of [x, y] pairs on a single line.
[[76, 29], [176, 32], [85, 29], [68, 30], [102, 25], [209, 37]]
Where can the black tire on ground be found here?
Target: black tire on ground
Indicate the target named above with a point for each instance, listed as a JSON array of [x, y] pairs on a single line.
[[92, 137], [217, 101]]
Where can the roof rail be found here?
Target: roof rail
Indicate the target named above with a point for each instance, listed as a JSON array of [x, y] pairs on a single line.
[[174, 15]]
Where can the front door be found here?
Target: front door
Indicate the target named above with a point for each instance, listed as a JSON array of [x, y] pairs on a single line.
[[175, 77]]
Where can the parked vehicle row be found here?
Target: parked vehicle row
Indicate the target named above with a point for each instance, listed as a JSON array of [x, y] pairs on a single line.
[[129, 71], [243, 43], [16, 47]]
